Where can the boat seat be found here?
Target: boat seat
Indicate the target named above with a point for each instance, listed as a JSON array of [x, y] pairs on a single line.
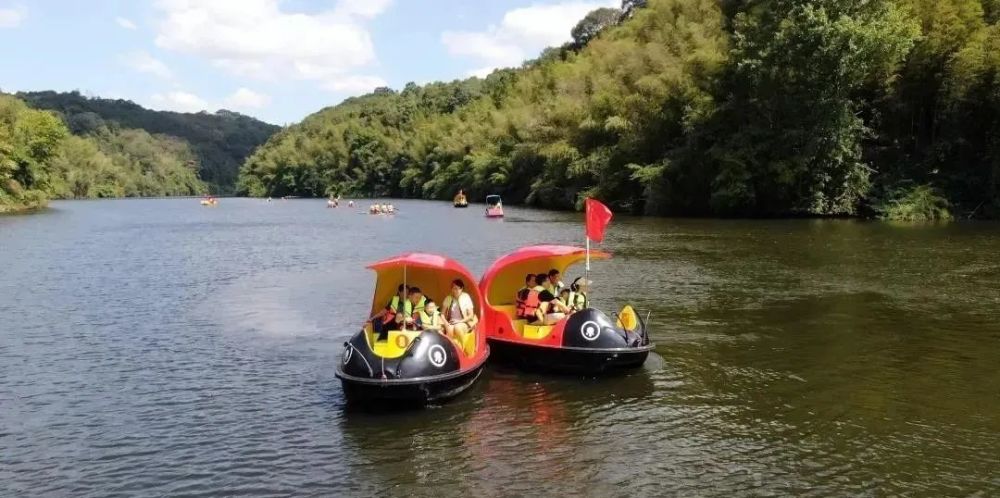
[[627, 319], [396, 343], [519, 326], [469, 343], [536, 331]]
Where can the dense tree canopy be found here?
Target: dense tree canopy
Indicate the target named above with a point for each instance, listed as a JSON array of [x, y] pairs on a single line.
[[593, 23], [39, 159], [29, 140], [220, 141], [700, 107]]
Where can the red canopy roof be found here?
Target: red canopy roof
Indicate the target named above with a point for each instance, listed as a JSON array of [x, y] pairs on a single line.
[[431, 272], [506, 274], [571, 253], [420, 260]]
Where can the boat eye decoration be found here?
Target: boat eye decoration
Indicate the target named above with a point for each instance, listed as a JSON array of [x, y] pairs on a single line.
[[436, 355], [347, 354], [590, 330]]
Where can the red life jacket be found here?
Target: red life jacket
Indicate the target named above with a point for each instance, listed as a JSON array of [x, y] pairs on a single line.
[[527, 306], [392, 309]]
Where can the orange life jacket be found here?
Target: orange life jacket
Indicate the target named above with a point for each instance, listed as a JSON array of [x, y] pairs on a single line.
[[527, 306]]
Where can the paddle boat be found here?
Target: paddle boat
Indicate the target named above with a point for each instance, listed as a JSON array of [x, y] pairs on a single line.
[[414, 366], [494, 206], [460, 201], [587, 341], [382, 209]]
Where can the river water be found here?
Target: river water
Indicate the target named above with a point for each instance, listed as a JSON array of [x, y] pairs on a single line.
[[156, 347]]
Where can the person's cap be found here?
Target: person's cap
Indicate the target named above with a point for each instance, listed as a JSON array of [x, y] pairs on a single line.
[[583, 281]]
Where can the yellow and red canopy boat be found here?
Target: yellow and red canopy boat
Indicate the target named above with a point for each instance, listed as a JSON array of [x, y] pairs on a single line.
[[586, 341], [408, 364]]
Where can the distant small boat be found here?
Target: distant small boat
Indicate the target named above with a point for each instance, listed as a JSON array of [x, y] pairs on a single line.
[[210, 201], [460, 201], [494, 206]]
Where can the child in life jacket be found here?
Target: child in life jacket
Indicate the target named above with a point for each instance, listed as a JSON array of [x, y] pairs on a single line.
[[429, 318]]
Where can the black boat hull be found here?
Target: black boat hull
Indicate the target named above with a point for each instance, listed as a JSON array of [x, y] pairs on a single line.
[[461, 205], [570, 360], [422, 391]]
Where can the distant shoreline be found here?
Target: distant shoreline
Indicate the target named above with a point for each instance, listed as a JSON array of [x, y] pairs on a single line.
[[11, 210]]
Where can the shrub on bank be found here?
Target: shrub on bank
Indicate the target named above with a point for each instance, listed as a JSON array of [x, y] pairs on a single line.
[[917, 203]]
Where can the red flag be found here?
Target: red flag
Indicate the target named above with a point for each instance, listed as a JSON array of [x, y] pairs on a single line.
[[598, 217]]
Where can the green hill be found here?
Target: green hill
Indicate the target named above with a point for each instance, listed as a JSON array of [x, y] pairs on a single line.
[[695, 107], [41, 159], [219, 141]]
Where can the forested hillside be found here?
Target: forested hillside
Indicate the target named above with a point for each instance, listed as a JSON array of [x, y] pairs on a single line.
[[696, 107], [41, 159], [219, 141]]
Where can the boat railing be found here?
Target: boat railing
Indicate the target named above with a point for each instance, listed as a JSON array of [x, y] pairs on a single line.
[[371, 371], [644, 330]]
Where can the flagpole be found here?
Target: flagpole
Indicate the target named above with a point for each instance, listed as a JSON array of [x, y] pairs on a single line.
[[586, 209]]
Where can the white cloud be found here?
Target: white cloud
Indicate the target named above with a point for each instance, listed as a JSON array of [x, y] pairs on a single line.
[[354, 84], [256, 38], [178, 101], [125, 23], [11, 17], [245, 98], [145, 63], [522, 34], [367, 9]]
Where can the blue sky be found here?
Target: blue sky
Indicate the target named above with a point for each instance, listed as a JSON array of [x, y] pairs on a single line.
[[278, 60]]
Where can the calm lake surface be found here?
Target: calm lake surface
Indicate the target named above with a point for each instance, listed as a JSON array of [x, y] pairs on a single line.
[[159, 348]]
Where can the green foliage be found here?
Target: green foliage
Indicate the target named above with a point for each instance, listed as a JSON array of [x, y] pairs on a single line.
[[693, 107], [794, 134], [39, 159], [593, 23], [28, 141], [567, 123], [125, 163], [918, 203], [221, 141], [942, 122]]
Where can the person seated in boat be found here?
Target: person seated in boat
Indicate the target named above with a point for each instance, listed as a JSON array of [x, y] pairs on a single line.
[[522, 293], [415, 302], [429, 318], [459, 311], [527, 306], [553, 284], [540, 279], [565, 297], [578, 299], [550, 310], [383, 320], [390, 209]]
